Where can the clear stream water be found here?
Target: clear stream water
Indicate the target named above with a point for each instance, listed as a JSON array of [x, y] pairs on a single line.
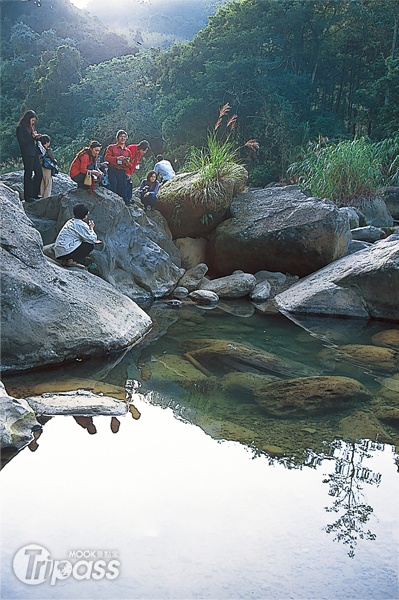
[[206, 494]]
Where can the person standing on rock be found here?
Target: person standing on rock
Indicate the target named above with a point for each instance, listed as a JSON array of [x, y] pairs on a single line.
[[47, 181], [27, 138], [118, 157], [76, 239]]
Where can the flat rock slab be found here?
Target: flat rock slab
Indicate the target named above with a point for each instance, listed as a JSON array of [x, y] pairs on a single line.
[[78, 402]]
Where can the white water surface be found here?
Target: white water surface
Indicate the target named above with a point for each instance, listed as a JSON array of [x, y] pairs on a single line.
[[189, 517]]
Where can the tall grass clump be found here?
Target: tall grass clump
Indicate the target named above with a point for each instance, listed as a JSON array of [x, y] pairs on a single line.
[[213, 164], [345, 172], [387, 153], [217, 163]]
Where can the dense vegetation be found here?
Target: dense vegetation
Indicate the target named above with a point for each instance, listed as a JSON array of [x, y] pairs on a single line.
[[292, 71]]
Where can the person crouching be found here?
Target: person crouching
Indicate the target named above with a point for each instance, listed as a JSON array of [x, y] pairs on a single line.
[[76, 239], [148, 190]]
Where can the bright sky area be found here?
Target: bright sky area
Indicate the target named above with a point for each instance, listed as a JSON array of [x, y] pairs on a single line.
[[84, 3], [80, 3]]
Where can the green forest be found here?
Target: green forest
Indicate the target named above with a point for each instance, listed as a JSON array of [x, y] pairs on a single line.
[[293, 72]]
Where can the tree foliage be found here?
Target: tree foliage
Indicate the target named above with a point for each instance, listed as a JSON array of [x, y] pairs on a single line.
[[292, 70]]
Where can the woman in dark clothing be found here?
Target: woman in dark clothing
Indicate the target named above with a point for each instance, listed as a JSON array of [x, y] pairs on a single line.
[[27, 137], [148, 190]]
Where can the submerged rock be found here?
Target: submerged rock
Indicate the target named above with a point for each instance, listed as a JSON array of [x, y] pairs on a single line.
[[228, 355], [171, 367], [361, 425], [388, 338], [388, 414], [375, 357], [310, 395]]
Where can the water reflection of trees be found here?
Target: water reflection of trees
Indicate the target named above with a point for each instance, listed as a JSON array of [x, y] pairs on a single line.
[[346, 485], [346, 482]]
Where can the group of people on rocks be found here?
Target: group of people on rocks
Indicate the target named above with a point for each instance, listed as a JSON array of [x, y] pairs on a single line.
[[77, 237], [118, 165], [114, 169]]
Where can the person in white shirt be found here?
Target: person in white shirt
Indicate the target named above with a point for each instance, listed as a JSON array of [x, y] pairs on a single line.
[[164, 168], [76, 239]]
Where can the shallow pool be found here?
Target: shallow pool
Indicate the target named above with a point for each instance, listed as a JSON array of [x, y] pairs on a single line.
[[204, 495]]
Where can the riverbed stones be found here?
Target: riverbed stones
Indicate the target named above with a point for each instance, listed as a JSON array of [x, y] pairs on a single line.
[[388, 414], [172, 367], [245, 385], [375, 212], [193, 277], [357, 245], [369, 234], [240, 307], [389, 392], [204, 297], [310, 396], [390, 196], [351, 214], [261, 291], [237, 285]]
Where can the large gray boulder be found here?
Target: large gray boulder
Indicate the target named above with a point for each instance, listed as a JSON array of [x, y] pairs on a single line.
[[15, 180], [279, 229], [137, 256], [51, 314], [364, 284]]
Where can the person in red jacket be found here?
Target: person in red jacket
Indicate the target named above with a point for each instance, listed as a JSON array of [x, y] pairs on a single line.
[[84, 162], [118, 157], [137, 151]]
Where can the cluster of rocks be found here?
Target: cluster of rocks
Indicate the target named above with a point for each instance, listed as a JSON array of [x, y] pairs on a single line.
[[276, 247]]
